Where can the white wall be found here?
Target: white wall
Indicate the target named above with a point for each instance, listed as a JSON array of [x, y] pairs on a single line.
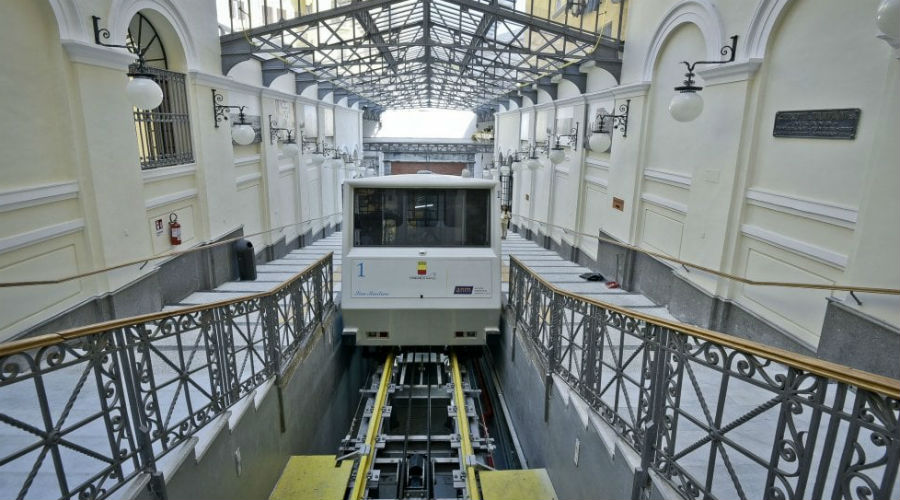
[[721, 191], [72, 195]]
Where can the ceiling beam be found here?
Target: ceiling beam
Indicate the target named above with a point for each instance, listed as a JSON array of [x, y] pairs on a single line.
[[316, 17]]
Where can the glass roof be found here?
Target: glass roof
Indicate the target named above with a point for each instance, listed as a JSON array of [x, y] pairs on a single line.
[[409, 54]]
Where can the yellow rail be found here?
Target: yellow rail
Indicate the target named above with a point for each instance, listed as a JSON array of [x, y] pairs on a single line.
[[462, 420], [362, 472]]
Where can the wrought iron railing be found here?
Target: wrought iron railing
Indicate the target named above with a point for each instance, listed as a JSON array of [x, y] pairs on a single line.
[[85, 411], [712, 415]]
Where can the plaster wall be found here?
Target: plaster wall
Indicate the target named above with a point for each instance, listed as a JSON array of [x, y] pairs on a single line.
[[721, 191], [73, 197]]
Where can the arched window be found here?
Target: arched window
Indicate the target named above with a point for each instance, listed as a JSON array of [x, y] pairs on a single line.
[[163, 133]]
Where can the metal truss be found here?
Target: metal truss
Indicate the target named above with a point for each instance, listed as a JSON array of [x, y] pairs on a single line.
[[457, 54], [429, 148]]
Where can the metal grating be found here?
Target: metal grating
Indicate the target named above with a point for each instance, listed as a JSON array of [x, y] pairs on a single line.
[[164, 133]]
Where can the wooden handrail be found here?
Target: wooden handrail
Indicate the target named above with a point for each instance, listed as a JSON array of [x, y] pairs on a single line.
[[166, 255], [852, 376], [17, 346], [740, 279]]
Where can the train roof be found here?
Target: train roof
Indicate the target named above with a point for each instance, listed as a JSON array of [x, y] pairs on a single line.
[[422, 180]]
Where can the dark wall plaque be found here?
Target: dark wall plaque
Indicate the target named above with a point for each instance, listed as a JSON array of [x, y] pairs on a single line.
[[817, 123]]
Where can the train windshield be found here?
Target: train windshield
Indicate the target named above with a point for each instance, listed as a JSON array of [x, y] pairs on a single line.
[[420, 217]]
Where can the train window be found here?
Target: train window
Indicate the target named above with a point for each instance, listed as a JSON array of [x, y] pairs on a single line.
[[421, 217]]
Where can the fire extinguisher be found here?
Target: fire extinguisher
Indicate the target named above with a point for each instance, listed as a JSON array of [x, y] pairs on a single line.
[[174, 229]]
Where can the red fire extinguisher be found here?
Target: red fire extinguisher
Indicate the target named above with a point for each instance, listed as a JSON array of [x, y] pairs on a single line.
[[174, 229]]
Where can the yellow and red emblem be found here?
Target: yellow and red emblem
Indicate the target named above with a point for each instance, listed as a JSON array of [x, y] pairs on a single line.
[[422, 268]]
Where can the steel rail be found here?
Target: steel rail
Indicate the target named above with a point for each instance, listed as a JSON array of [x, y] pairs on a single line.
[[462, 421], [876, 383], [362, 470], [721, 274], [17, 346]]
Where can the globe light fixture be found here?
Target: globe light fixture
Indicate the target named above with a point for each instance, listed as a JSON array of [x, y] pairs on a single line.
[[142, 91], [516, 166], [600, 142], [887, 18], [600, 139], [317, 159], [504, 170], [557, 155], [533, 163], [687, 104], [242, 133]]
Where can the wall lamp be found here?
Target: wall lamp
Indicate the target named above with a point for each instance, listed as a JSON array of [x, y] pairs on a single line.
[[528, 156], [557, 153], [242, 133], [604, 123], [687, 103], [289, 147], [142, 90]]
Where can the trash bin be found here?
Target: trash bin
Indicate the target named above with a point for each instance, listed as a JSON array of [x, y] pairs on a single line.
[[246, 260]]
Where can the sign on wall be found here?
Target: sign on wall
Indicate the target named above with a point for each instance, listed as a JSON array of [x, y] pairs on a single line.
[[817, 123]]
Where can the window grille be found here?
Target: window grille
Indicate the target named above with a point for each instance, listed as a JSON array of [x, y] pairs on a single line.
[[164, 133]]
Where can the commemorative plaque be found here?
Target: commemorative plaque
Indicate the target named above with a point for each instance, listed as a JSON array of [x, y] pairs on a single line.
[[817, 124]]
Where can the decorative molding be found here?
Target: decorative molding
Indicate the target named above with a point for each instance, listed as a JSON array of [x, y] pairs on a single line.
[[730, 73], [703, 14], [21, 240], [597, 181], [69, 19], [762, 24], [621, 91], [243, 161], [561, 169], [158, 174], [670, 178], [247, 179], [37, 195], [672, 205], [630, 90], [597, 162], [121, 12], [97, 55], [170, 198], [816, 210], [798, 247], [230, 84], [286, 168]]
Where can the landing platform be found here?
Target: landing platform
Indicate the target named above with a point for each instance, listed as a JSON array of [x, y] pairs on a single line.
[[313, 477], [525, 484]]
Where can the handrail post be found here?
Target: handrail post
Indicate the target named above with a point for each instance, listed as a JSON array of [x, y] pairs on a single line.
[[156, 484], [656, 408], [269, 311], [588, 375], [555, 340]]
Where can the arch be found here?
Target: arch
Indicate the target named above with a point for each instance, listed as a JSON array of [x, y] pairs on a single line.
[[121, 12], [699, 12], [762, 26], [69, 20]]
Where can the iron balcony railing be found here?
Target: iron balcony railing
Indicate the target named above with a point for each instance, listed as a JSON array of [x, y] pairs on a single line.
[[712, 415], [85, 411]]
